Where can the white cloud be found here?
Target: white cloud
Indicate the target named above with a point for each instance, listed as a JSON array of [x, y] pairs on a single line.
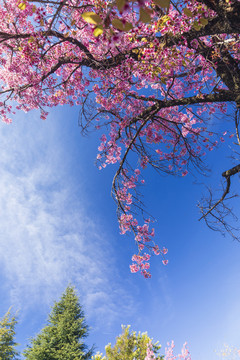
[[46, 238]]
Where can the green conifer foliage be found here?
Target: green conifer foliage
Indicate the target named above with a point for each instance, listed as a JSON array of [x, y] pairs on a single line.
[[7, 337], [63, 337], [129, 346]]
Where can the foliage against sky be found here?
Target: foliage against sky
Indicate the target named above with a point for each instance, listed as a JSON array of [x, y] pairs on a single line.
[[129, 346], [63, 337], [7, 337]]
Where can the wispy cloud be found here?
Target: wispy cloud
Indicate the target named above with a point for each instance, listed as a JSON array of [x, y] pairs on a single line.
[[46, 238]]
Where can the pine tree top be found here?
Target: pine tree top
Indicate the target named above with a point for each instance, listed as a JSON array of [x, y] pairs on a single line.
[[7, 337], [62, 337]]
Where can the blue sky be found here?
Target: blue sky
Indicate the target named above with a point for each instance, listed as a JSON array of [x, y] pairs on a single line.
[[58, 226]]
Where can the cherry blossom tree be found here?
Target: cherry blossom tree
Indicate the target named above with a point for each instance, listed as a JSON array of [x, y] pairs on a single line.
[[169, 353], [153, 72]]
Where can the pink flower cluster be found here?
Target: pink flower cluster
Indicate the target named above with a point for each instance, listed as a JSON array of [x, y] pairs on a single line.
[[169, 355], [132, 82]]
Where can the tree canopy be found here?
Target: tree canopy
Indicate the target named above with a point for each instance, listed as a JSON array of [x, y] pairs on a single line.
[[7, 337], [153, 72], [130, 346], [63, 337]]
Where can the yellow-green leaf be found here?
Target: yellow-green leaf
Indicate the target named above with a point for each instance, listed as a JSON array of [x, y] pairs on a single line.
[[127, 26], [31, 39], [162, 3], [200, 11], [144, 16], [164, 19], [203, 21], [22, 6], [196, 26], [98, 31], [120, 4], [118, 24], [188, 12], [91, 18]]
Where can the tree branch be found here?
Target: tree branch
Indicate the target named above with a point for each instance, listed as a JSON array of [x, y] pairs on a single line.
[[227, 175]]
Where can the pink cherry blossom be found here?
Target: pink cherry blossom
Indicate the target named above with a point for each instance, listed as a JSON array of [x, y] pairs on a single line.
[[153, 82]]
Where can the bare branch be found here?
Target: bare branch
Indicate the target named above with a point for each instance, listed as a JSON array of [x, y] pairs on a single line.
[[220, 216]]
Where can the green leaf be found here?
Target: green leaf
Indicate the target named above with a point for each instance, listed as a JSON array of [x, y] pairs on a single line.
[[127, 26], [120, 4], [203, 21], [144, 16], [196, 26], [91, 18], [118, 24], [162, 3], [188, 12]]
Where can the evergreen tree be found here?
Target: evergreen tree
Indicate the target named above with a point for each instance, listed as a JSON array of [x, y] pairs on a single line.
[[7, 337], [129, 346], [63, 337]]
